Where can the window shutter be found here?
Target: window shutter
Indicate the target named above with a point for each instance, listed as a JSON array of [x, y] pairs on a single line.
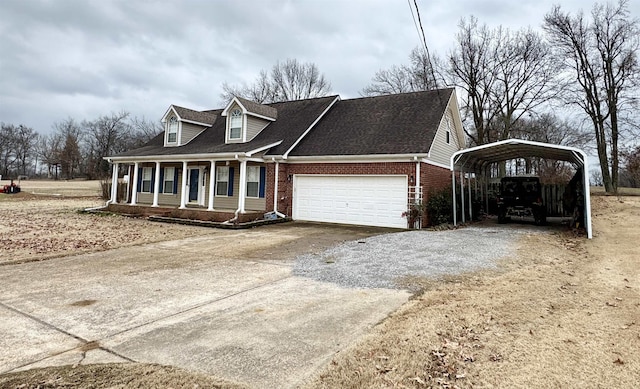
[[175, 180], [153, 179], [230, 189], [139, 179], [263, 179], [162, 180]]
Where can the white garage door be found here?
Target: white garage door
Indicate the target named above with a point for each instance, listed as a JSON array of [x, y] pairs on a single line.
[[365, 200]]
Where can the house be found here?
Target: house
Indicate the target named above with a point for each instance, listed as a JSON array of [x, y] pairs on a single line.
[[355, 161]]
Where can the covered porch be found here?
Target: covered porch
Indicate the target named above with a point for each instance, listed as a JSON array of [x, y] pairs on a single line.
[[205, 189]]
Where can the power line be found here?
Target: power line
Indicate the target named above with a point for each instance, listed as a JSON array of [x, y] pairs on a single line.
[[423, 38]]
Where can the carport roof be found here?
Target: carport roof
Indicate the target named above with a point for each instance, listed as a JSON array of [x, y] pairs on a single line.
[[475, 159]]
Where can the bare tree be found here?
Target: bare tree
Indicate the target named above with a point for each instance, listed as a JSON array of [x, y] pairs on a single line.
[[504, 75], [69, 156], [7, 148], [106, 135], [142, 131], [601, 55], [526, 77], [49, 149], [471, 66], [261, 91], [24, 147], [417, 76], [288, 80]]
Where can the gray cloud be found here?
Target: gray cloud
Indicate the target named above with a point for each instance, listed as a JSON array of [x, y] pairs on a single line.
[[83, 59]]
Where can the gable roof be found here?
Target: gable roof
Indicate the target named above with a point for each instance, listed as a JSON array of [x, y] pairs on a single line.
[[252, 108], [295, 119], [390, 124], [202, 117], [260, 109]]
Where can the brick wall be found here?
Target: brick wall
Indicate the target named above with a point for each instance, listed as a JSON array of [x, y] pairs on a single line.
[[431, 177], [287, 171]]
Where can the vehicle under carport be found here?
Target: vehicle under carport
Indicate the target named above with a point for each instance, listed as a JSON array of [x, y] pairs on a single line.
[[476, 161]]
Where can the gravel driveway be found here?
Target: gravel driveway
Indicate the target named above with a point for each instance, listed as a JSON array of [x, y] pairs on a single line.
[[382, 261]]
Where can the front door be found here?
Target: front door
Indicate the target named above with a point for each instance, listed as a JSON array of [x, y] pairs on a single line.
[[194, 180]]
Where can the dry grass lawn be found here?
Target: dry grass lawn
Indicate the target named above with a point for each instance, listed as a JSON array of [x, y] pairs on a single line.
[[42, 226], [563, 312]]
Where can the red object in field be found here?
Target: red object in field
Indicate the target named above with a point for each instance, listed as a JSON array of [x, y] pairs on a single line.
[[11, 188]]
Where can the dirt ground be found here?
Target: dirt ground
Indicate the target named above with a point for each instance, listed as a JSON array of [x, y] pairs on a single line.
[[562, 313]]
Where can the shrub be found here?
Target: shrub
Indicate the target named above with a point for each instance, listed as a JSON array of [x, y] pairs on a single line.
[[440, 207]]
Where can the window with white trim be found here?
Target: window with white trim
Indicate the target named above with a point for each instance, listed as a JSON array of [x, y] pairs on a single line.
[[235, 124], [167, 182], [146, 179], [449, 127], [222, 181], [172, 130], [253, 181]]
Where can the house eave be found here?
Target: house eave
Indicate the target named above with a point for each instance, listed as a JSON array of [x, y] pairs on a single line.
[[366, 158]]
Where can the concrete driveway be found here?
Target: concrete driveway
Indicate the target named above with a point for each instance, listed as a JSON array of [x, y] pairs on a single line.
[[192, 303]]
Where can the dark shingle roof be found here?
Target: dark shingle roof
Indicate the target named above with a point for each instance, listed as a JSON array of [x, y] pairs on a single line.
[[260, 109], [205, 117], [294, 118], [391, 124]]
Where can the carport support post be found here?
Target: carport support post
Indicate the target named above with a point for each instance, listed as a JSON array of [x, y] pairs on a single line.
[[470, 201], [453, 189], [462, 196], [486, 191], [156, 186], [183, 193], [212, 183], [134, 191], [114, 184]]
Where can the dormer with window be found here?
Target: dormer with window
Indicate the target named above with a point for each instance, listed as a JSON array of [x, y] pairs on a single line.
[[181, 125], [246, 119]]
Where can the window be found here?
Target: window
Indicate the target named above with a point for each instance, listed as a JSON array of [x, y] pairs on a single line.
[[222, 181], [235, 124], [172, 130], [448, 134], [146, 179], [253, 181], [168, 181]]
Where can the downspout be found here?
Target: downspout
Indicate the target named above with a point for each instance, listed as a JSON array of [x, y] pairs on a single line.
[[275, 191]]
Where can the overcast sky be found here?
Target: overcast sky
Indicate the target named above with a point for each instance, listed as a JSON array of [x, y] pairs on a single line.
[[82, 59]]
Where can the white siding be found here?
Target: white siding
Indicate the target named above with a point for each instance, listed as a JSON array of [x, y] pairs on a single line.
[[189, 131], [441, 151], [254, 126]]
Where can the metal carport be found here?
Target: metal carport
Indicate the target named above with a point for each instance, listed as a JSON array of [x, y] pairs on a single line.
[[477, 159]]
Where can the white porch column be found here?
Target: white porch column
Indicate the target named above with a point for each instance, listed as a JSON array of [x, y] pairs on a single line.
[[156, 186], [242, 186], [114, 184], [275, 189], [212, 183], [134, 191], [183, 193]]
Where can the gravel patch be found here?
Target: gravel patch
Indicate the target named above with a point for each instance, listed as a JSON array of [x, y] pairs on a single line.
[[381, 261]]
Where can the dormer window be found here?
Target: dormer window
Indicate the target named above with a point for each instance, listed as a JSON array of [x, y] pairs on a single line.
[[172, 130], [235, 125]]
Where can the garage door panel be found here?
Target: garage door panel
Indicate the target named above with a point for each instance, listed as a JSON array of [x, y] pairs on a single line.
[[365, 200]]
